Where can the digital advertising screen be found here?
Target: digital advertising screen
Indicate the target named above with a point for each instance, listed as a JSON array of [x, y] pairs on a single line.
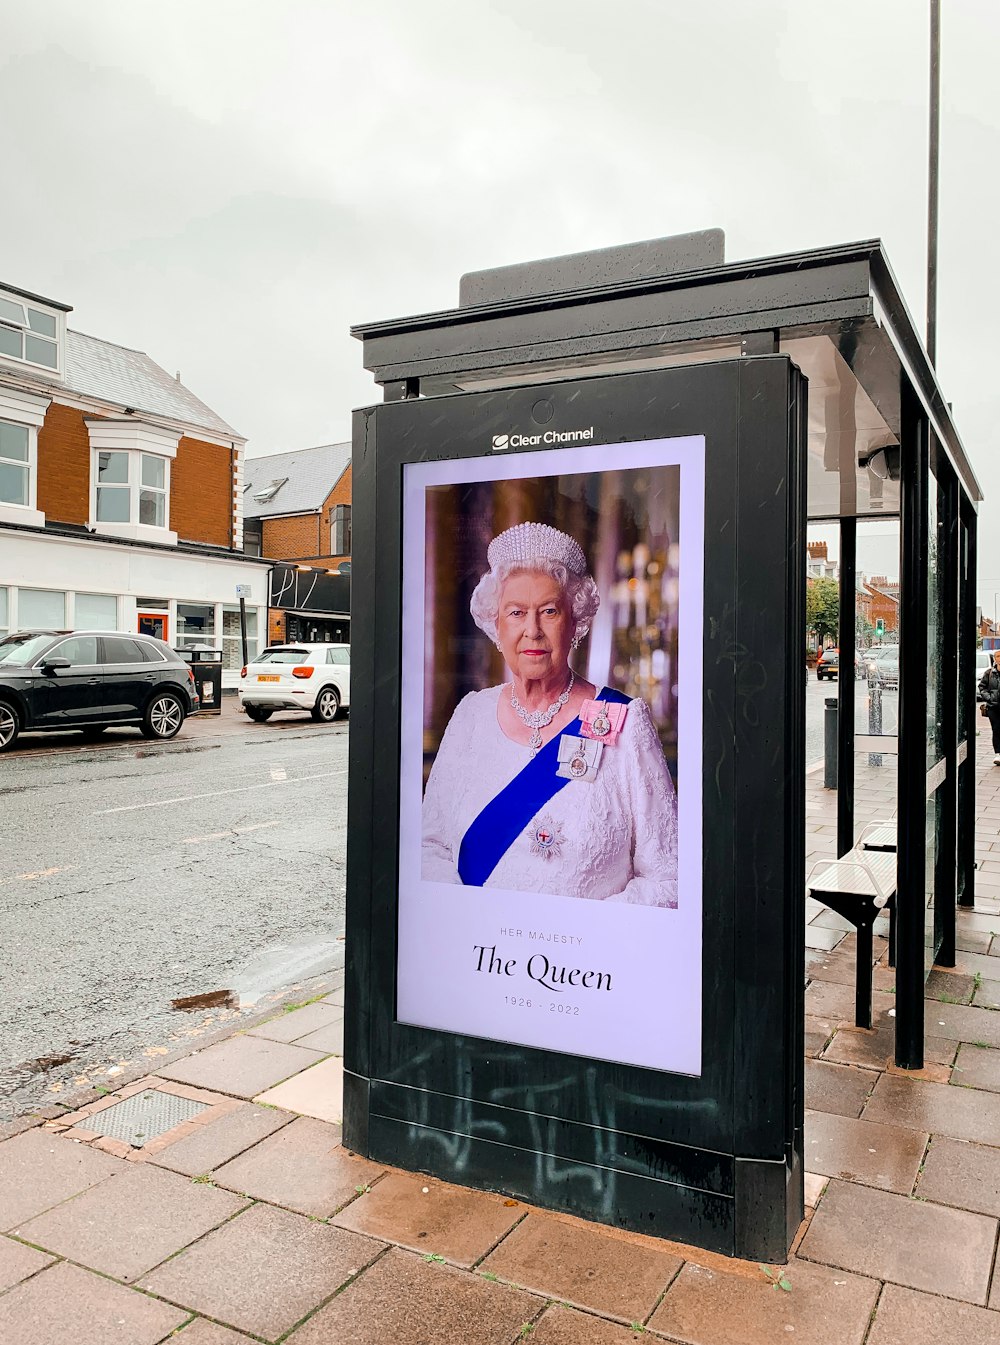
[[550, 861]]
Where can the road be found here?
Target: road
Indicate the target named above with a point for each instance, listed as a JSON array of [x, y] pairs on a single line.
[[817, 693], [137, 873]]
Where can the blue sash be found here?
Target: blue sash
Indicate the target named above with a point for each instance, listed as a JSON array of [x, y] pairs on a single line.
[[493, 832]]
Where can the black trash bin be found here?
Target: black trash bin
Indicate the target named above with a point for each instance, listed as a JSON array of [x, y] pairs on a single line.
[[206, 664]]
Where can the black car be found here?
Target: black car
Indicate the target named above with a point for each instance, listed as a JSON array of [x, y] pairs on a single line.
[[89, 680]]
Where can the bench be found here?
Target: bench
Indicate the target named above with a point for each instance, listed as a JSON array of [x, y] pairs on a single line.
[[857, 886]]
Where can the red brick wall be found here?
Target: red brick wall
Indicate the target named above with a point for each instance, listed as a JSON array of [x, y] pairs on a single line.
[[64, 465], [201, 492], [291, 538], [341, 494]]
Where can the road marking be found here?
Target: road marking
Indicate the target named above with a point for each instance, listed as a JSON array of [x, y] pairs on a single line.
[[233, 831], [278, 773], [38, 873], [216, 793]]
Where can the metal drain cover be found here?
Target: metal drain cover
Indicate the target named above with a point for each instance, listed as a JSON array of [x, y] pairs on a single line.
[[144, 1117]]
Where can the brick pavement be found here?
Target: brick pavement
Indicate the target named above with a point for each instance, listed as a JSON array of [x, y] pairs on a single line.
[[250, 1222]]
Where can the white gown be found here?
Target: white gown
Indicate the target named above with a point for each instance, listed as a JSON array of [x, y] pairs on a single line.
[[612, 839]]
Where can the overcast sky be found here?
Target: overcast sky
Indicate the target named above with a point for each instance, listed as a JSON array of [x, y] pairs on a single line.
[[230, 184]]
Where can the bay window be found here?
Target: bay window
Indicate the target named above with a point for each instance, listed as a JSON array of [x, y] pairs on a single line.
[[130, 482], [21, 416]]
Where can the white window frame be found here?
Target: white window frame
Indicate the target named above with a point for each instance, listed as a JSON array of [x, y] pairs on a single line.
[[137, 439], [22, 408], [27, 301]]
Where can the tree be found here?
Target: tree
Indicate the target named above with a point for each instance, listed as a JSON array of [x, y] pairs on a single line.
[[823, 607]]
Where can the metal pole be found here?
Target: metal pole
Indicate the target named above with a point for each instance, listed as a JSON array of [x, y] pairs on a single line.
[[932, 180], [830, 742], [243, 631]]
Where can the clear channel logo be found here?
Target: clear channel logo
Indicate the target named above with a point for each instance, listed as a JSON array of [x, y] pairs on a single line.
[[504, 441]]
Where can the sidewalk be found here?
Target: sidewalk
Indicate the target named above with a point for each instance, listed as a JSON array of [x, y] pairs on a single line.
[[235, 1215]]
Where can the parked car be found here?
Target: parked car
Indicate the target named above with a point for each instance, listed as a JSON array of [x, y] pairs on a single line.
[[828, 664], [883, 666], [89, 680], [313, 677]]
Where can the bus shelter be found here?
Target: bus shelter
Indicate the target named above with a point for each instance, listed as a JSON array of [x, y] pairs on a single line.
[[817, 404]]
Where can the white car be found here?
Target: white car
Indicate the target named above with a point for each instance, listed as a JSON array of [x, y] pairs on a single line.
[[313, 677]]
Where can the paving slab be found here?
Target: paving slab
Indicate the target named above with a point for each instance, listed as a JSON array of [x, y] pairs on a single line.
[[961, 1174], [564, 1326], [970, 963], [818, 1033], [842, 1089], [222, 1139], [303, 1168], [240, 1066], [317, 1092], [131, 1222], [263, 1271], [972, 941], [885, 1156], [873, 1048], [910, 1242], [432, 1216], [39, 1170], [711, 1307], [298, 1022], [962, 1022], [830, 999], [822, 938], [584, 1266], [905, 1315], [17, 1262], [947, 986], [977, 1067], [406, 1300], [988, 994], [201, 1332], [936, 1108], [69, 1306], [329, 1039]]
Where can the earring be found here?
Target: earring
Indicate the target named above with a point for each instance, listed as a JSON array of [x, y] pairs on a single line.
[[499, 646]]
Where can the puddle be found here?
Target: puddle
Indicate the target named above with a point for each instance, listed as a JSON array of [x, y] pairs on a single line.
[[211, 999]]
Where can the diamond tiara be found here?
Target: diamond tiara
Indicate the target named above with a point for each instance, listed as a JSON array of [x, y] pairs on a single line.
[[525, 543]]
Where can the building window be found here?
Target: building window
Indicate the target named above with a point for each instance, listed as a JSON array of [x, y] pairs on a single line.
[[232, 638], [195, 624], [340, 530], [40, 608], [132, 488], [27, 333], [96, 611], [15, 463], [4, 612]]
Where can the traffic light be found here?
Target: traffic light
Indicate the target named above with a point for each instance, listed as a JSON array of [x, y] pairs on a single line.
[[879, 628]]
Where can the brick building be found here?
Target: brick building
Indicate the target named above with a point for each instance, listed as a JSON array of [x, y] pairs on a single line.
[[121, 502], [297, 510]]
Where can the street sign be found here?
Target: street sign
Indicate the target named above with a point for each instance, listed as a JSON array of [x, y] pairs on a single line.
[[243, 590]]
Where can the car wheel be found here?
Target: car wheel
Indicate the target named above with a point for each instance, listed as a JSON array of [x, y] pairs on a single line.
[[10, 726], [819, 675], [164, 716], [327, 706], [260, 714]]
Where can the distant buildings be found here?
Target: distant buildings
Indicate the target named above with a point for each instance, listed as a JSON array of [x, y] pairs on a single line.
[[121, 493], [297, 510], [876, 599]]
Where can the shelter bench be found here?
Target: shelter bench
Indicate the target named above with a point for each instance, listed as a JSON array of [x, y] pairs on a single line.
[[858, 886]]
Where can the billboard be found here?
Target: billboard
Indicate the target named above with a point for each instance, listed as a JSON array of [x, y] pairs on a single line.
[[550, 801]]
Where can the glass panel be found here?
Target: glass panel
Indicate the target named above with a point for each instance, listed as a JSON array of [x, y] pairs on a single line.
[[13, 484], [119, 650], [44, 323], [12, 311], [113, 504], [96, 611], [195, 624], [40, 607], [80, 650], [13, 441], [876, 702], [4, 608], [232, 643], [152, 508], [339, 656], [112, 467], [154, 471], [10, 342], [40, 352]]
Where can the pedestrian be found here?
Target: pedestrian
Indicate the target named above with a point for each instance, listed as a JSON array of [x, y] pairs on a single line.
[[988, 695]]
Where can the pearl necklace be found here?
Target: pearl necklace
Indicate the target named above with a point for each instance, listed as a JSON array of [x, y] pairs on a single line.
[[536, 720]]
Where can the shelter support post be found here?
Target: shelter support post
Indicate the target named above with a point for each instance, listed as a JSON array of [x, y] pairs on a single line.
[[846, 686]]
